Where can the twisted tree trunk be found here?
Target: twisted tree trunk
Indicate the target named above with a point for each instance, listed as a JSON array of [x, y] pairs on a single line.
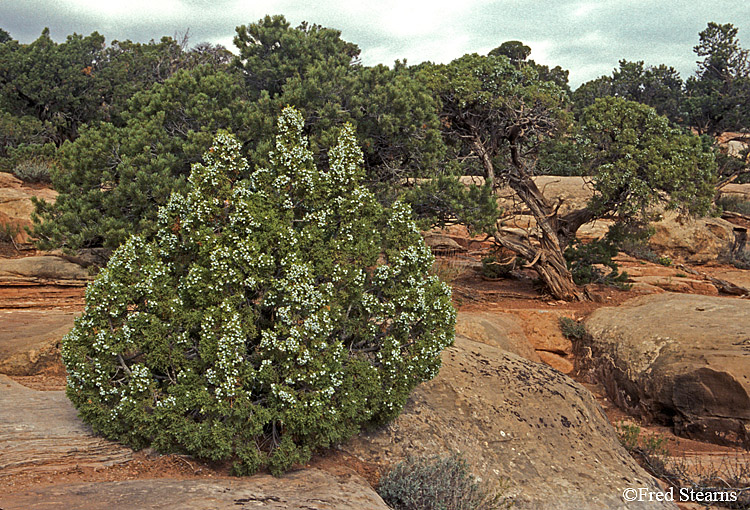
[[547, 259]]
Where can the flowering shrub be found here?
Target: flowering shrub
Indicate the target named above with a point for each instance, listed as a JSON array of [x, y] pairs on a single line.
[[272, 314]]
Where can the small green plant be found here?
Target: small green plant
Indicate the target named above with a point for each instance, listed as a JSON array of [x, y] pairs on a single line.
[[494, 267], [664, 261], [8, 233], [587, 262], [572, 329], [438, 483], [650, 451], [33, 170]]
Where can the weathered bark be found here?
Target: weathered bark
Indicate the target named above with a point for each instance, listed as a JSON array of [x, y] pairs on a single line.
[[546, 259]]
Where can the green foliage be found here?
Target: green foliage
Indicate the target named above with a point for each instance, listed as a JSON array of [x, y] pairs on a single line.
[[584, 260], [33, 170], [516, 51], [659, 87], [719, 94], [113, 179], [273, 313], [498, 266], [53, 82], [271, 52], [4, 36], [637, 160], [484, 101], [314, 70], [560, 156], [445, 200], [572, 329], [438, 483]]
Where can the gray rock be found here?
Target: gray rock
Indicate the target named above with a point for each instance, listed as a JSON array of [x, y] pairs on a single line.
[[677, 359], [516, 421], [309, 489], [40, 430]]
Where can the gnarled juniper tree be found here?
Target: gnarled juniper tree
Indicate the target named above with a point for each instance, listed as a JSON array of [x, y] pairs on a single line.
[[273, 313]]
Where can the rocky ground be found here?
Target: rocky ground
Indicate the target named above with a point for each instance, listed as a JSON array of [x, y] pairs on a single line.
[[529, 408]]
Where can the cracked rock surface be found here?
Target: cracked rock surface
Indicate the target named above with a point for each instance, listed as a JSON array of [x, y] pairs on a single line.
[[678, 359]]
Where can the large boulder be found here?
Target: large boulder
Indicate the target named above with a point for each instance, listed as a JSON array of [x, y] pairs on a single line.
[[695, 240], [310, 489], [516, 421], [16, 205], [677, 359], [30, 339]]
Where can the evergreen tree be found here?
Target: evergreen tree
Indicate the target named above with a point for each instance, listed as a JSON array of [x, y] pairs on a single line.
[[272, 314]]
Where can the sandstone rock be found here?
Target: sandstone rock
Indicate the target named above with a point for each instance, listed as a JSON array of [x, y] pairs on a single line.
[[41, 268], [679, 284], [513, 420], [40, 430], [502, 330], [557, 361], [442, 244], [741, 191], [696, 240], [645, 288], [16, 206], [30, 339], [542, 328], [311, 489], [678, 359]]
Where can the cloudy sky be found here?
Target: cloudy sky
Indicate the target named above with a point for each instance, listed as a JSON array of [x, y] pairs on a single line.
[[588, 37]]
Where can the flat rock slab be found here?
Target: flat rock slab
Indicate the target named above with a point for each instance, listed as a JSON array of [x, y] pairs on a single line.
[[309, 489], [678, 359], [516, 421], [40, 430], [42, 269], [30, 339]]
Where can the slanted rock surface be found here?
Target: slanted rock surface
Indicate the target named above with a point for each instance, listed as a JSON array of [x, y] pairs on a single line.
[[695, 240], [30, 339], [513, 420], [678, 359], [502, 330], [40, 430], [310, 489]]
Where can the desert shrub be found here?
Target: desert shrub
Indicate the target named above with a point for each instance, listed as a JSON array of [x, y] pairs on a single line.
[[271, 314], [33, 170], [572, 329], [587, 261], [437, 483]]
